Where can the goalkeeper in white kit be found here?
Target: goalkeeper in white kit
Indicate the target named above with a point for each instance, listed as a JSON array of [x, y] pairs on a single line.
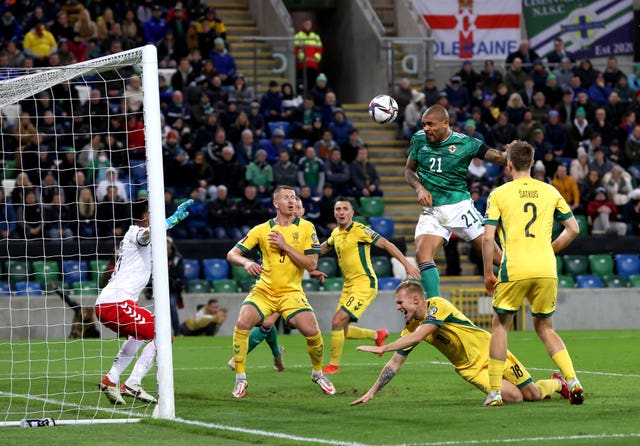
[[118, 310]]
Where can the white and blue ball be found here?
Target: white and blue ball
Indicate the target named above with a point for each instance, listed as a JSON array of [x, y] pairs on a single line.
[[383, 109]]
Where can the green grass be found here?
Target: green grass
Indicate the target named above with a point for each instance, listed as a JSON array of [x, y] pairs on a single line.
[[425, 404]]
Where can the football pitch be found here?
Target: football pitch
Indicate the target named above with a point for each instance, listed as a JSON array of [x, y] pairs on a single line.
[[427, 403]]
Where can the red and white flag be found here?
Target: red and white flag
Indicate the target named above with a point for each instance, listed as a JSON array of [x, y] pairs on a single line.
[[472, 29]]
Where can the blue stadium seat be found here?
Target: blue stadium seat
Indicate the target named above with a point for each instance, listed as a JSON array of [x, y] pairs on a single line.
[[565, 160], [585, 281], [215, 269], [388, 283], [284, 125], [74, 271], [493, 170], [30, 288], [382, 225], [627, 264], [191, 269], [5, 289]]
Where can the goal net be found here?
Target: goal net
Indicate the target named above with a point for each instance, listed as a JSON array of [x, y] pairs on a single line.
[[78, 145]]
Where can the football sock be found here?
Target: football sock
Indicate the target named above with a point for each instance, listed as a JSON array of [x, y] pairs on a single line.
[[143, 364], [240, 347], [337, 343], [430, 278], [272, 340], [315, 348], [496, 370], [548, 386], [564, 363], [256, 336], [124, 358], [360, 333]]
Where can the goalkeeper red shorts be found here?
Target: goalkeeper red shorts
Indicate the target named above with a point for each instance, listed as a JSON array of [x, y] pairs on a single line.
[[127, 319]]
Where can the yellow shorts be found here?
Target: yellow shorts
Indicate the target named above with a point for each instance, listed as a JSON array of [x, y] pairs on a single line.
[[540, 292], [356, 298], [478, 374], [288, 305]]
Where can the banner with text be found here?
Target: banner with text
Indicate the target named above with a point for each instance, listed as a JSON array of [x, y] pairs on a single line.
[[478, 29], [588, 28]]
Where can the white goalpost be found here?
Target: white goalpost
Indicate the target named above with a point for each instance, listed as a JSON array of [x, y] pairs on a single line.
[[73, 137]]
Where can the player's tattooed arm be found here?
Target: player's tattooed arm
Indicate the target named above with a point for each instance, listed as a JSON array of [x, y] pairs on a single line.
[[496, 157], [386, 375]]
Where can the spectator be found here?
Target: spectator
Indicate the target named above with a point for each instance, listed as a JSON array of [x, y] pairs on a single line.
[[524, 53], [349, 149], [223, 213], [8, 217], [586, 72], [552, 90], [61, 28], [308, 51], [201, 112], [600, 162], [85, 27], [470, 129], [556, 133], [567, 186], [260, 174], [216, 25], [15, 56], [155, 29], [580, 166], [130, 28], [550, 163], [503, 132], [204, 176], [539, 172], [612, 73], [228, 116], [290, 101], [338, 174], [57, 218], [539, 109], [625, 92], [274, 146], [555, 57], [604, 215], [206, 321], [311, 207], [241, 92], [327, 221], [490, 78], [320, 90], [325, 145], [470, 78], [170, 208], [39, 44], [229, 172], [515, 109], [111, 180], [178, 109], [589, 186], [618, 184], [175, 263], [477, 177], [285, 173], [251, 211], [602, 126], [183, 76], [527, 126], [579, 132], [112, 214], [303, 117], [527, 92], [256, 121], [238, 126], [311, 172], [223, 61], [198, 219], [598, 91], [246, 147], [86, 213], [459, 97], [271, 103], [631, 213], [364, 175], [567, 108], [616, 155], [514, 79], [413, 114], [627, 127], [180, 175]]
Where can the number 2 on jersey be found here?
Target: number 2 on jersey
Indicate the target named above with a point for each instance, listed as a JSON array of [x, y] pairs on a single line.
[[534, 214]]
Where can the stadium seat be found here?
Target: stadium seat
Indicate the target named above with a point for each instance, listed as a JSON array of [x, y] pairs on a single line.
[[360, 219], [586, 281], [16, 270], [634, 281], [238, 273], [191, 269], [98, 269], [333, 284], [85, 288], [310, 285], [382, 225], [74, 271], [372, 206], [601, 264], [565, 281], [215, 269], [5, 289], [627, 264], [565, 160], [388, 283], [29, 288], [559, 264], [199, 286], [225, 286], [493, 170], [583, 223], [44, 271], [328, 265], [575, 265], [10, 171], [246, 284], [614, 281], [381, 266], [284, 125]]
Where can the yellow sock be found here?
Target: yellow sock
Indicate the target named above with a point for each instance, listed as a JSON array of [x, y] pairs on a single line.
[[337, 343], [240, 347], [564, 363], [496, 370], [360, 333], [548, 386], [315, 348]]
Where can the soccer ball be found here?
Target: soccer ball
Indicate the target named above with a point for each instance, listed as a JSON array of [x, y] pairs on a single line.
[[383, 109]]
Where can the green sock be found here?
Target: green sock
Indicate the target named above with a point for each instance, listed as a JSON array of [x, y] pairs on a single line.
[[430, 279], [272, 340], [256, 336]]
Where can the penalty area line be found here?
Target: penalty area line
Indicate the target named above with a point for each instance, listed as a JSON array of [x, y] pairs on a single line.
[[262, 433], [526, 440]]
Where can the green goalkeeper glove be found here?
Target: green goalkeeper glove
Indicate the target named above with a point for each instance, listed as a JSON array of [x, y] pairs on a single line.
[[180, 214]]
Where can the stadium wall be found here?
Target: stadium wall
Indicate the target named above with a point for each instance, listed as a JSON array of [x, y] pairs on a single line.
[[587, 309]]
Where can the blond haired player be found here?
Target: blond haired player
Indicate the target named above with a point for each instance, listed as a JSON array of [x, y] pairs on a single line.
[[522, 212], [466, 346]]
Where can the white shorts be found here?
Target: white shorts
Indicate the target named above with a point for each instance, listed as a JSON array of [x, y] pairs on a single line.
[[462, 219]]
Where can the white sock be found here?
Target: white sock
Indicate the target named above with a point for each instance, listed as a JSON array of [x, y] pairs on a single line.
[[124, 358], [143, 364]]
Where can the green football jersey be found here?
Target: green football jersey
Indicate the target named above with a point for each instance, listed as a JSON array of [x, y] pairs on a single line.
[[442, 167]]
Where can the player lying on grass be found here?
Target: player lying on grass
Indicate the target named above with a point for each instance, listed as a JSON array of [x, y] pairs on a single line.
[[117, 307], [466, 346]]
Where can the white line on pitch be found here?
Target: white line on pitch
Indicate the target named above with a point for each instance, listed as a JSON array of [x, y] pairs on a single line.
[[526, 440]]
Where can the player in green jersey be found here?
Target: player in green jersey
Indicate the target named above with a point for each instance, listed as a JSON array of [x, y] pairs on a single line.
[[524, 211], [437, 170]]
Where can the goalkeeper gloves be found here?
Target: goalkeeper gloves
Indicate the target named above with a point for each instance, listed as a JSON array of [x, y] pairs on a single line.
[[180, 214]]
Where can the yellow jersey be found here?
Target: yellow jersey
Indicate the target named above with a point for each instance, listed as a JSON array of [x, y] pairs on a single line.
[[524, 211], [353, 248], [460, 340], [279, 274]]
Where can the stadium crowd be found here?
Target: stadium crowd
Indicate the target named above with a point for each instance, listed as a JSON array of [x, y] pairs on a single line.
[[226, 147]]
